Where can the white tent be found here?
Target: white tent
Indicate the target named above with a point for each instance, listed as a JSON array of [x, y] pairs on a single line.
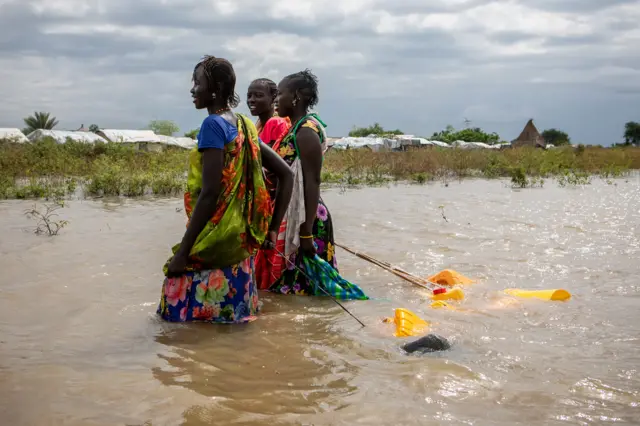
[[481, 145], [470, 145], [441, 144], [144, 140], [14, 135], [410, 140], [182, 142], [130, 136], [373, 143], [186, 143], [61, 136]]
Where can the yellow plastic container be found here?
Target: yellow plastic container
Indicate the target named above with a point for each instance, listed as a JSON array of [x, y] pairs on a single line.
[[439, 304], [450, 278], [555, 295], [454, 294], [409, 324]]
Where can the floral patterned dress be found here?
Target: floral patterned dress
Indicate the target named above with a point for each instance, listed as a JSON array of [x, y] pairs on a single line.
[[292, 281], [269, 263], [218, 285], [227, 295]]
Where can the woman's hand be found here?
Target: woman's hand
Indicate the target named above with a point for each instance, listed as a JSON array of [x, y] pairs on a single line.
[[270, 241], [178, 265], [307, 247]]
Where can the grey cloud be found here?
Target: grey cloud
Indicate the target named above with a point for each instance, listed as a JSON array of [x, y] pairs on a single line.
[[421, 6], [510, 37], [206, 24], [576, 6], [577, 40], [419, 82]]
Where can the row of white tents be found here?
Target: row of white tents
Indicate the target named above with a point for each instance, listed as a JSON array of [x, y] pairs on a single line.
[[402, 142], [142, 139], [149, 141]]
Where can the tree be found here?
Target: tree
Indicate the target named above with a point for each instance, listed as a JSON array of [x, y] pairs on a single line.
[[632, 133], [163, 127], [376, 129], [556, 137], [39, 120], [193, 134], [94, 128], [475, 134]]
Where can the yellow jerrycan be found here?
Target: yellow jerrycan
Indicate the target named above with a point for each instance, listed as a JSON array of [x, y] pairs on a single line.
[[450, 277], [408, 324], [548, 295], [453, 294]]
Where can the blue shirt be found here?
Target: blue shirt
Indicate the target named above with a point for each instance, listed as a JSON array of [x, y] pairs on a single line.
[[215, 132]]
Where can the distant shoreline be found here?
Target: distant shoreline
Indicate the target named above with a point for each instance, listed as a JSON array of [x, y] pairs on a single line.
[[46, 169]]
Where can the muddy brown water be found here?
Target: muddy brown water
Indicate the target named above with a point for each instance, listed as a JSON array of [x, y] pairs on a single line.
[[80, 343]]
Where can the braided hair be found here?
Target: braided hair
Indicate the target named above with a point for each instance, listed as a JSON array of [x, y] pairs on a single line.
[[219, 72], [271, 86], [306, 84]]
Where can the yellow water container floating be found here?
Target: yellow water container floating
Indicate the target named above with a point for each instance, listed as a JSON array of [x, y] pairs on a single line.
[[555, 295], [409, 324], [450, 278], [453, 294], [439, 304]]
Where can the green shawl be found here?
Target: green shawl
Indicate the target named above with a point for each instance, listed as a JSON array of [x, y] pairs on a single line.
[[241, 220]]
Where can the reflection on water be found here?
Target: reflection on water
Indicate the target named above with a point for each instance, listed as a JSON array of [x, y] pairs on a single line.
[[80, 343]]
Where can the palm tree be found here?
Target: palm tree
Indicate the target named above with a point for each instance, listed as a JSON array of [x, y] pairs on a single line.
[[39, 120]]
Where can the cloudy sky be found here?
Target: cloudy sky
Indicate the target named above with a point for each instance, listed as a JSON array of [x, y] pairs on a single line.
[[416, 65]]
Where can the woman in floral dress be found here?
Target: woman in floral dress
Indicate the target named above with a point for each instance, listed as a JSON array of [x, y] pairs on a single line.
[[261, 100], [303, 149], [230, 215]]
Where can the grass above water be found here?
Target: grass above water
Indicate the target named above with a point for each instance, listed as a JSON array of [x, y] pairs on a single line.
[[49, 170]]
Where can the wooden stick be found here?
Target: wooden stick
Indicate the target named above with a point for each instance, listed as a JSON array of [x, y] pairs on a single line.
[[420, 282]]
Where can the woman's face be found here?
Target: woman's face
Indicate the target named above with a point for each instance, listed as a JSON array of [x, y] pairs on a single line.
[[284, 101], [259, 99], [200, 92]]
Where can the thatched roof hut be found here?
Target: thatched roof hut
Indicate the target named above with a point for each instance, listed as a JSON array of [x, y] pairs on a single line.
[[529, 137]]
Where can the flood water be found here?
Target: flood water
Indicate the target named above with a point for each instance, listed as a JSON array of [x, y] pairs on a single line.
[[80, 343]]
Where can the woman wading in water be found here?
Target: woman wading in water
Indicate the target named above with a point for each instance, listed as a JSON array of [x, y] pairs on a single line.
[[303, 149], [261, 99], [210, 276]]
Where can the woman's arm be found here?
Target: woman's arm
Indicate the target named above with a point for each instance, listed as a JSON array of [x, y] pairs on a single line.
[[276, 165], [212, 165], [311, 159]]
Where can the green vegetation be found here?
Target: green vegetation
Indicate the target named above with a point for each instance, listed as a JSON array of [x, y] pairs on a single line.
[[49, 170], [556, 137], [94, 128], [45, 219], [52, 171], [632, 133], [163, 127], [193, 134], [526, 167], [476, 134], [376, 130], [39, 120]]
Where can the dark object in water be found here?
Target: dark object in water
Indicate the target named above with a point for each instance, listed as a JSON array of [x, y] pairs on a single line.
[[428, 343]]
